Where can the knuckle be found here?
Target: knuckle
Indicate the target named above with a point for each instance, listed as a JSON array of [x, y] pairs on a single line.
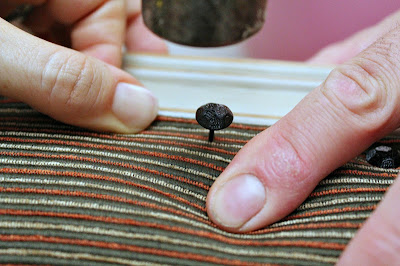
[[287, 166], [71, 82], [363, 92]]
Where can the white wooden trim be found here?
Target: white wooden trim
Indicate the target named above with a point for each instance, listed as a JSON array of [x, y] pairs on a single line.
[[257, 91]]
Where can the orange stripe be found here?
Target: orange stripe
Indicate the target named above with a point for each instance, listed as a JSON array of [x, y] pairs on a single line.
[[112, 148], [7, 100], [191, 136], [119, 137], [346, 190], [205, 147], [8, 264], [81, 194], [193, 121], [98, 177], [182, 144], [146, 132], [124, 247], [362, 172], [26, 118], [46, 130], [159, 118], [387, 141], [235, 126], [338, 210], [171, 143], [308, 226], [360, 162], [93, 160], [199, 233]]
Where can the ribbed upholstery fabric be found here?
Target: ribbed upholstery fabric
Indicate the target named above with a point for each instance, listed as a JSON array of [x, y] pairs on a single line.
[[74, 197]]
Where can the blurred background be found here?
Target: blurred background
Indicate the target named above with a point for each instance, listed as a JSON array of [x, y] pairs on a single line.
[[295, 30]]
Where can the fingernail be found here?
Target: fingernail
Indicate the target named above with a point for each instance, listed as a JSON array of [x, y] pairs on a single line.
[[133, 105], [238, 201]]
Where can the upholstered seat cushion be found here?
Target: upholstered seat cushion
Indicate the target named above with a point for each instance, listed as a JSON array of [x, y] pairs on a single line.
[[70, 196]]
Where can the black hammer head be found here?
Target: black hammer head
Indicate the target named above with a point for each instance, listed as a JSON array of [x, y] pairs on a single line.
[[204, 23]]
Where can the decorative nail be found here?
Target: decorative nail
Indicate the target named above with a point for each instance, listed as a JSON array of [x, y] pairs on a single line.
[[383, 157], [214, 116]]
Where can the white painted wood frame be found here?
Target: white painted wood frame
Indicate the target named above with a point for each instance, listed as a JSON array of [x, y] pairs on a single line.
[[257, 91]]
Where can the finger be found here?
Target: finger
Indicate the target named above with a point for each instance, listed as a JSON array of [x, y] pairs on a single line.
[[138, 37], [378, 241], [98, 26], [342, 51], [70, 86], [277, 170]]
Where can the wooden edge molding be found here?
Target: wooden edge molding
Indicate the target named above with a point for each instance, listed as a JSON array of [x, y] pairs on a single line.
[[257, 91]]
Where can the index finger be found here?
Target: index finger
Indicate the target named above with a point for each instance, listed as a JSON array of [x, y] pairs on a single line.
[[98, 26], [276, 171]]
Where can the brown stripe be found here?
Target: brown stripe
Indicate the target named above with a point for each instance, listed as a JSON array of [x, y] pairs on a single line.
[[347, 190], [78, 167], [366, 173], [72, 256], [111, 148], [151, 133], [27, 119], [221, 238], [11, 264], [116, 246], [233, 250], [92, 160], [308, 226], [102, 197], [118, 138], [192, 136], [187, 145], [8, 101], [338, 210], [158, 119], [98, 177], [193, 121], [389, 141], [57, 149], [96, 136], [169, 217]]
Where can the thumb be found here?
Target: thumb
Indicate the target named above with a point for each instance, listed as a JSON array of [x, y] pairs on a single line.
[[71, 87], [276, 171], [378, 241]]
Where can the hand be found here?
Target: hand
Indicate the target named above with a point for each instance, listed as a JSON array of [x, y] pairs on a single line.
[[84, 86], [356, 105]]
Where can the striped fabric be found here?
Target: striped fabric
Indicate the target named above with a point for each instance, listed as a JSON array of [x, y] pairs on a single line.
[[70, 196]]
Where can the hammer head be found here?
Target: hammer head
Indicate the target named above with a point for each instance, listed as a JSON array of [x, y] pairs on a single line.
[[204, 23]]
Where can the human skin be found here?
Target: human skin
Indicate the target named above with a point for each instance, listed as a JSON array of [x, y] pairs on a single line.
[[82, 86], [274, 172], [356, 105]]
